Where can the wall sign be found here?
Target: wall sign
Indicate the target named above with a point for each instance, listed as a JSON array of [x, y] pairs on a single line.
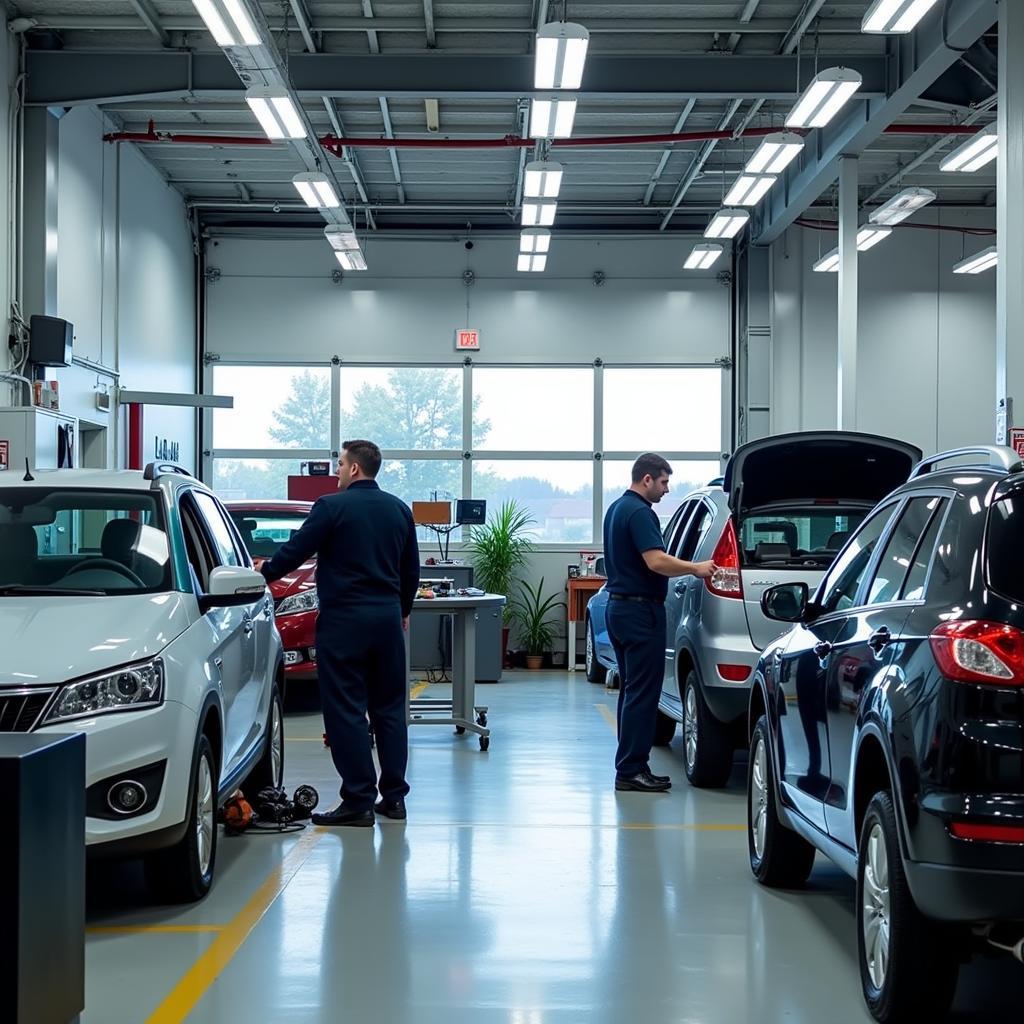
[[5, 455], [166, 451], [1017, 440], [467, 339]]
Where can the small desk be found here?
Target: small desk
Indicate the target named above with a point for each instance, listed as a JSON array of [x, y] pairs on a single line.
[[581, 590], [459, 711]]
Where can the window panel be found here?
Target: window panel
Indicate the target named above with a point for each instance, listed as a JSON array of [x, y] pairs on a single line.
[[686, 477], [663, 409], [894, 564], [559, 495], [530, 409], [840, 589], [913, 589], [275, 407], [253, 479], [402, 407]]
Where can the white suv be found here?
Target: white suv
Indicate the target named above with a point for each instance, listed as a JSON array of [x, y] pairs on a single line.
[[130, 611]]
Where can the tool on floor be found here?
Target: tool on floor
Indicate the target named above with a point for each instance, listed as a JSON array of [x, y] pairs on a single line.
[[271, 811]]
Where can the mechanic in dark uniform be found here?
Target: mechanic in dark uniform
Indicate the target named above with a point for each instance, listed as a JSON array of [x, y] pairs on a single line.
[[367, 572], [638, 568]]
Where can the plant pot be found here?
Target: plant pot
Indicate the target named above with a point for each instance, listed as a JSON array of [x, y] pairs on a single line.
[[506, 661], [534, 661]]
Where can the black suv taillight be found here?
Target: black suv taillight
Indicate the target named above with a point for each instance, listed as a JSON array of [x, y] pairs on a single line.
[[974, 651]]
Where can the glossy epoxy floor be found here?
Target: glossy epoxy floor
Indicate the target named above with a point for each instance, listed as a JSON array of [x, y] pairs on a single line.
[[522, 890]]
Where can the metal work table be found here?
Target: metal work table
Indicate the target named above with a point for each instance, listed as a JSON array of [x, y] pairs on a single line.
[[460, 711]]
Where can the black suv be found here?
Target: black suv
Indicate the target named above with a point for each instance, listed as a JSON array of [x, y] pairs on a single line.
[[887, 728]]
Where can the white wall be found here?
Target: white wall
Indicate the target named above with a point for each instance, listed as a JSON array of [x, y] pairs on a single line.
[[926, 360], [8, 71]]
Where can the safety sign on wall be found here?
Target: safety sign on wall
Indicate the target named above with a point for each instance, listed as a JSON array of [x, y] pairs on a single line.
[[467, 339], [1017, 440], [5, 454]]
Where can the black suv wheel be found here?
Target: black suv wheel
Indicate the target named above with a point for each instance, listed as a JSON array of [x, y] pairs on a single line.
[[596, 672], [778, 856], [707, 748], [908, 964]]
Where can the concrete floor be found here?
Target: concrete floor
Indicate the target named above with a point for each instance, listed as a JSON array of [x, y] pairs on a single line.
[[522, 890]]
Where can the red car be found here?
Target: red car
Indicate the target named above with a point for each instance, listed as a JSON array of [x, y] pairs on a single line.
[[265, 526]]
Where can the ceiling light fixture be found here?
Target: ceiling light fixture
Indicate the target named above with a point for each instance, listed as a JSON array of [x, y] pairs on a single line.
[[351, 260], [749, 189], [543, 180], [703, 255], [229, 22], [901, 206], [870, 235], [775, 153], [727, 223], [539, 213], [551, 117], [535, 240], [895, 15], [828, 264], [276, 113], [823, 98], [974, 153], [528, 263], [316, 190], [979, 262], [560, 54], [340, 238]]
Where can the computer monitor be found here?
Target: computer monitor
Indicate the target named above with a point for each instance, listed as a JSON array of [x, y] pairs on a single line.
[[470, 512]]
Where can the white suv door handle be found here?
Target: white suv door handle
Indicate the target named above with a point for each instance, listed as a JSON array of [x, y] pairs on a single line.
[[680, 588], [247, 626]]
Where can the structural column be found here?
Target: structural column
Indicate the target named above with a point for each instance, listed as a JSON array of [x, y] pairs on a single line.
[[39, 255], [1010, 215], [846, 367]]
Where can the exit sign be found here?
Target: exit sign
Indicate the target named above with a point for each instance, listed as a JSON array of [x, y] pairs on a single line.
[[467, 339], [1017, 440]]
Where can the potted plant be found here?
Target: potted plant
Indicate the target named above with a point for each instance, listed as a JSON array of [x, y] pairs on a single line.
[[500, 548], [531, 613]]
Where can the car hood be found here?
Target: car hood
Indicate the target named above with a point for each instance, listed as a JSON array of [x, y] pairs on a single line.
[[49, 640], [300, 579], [829, 465]]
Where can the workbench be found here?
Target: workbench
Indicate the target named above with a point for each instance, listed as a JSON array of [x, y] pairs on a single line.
[[581, 589], [461, 711]]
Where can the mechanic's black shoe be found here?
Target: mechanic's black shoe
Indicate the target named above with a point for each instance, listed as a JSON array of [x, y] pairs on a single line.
[[660, 778], [394, 809], [642, 782], [342, 815]]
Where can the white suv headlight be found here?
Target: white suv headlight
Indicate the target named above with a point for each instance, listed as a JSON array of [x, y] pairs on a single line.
[[131, 688], [307, 601]]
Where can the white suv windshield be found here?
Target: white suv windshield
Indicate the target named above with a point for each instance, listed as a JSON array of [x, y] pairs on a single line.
[[55, 540]]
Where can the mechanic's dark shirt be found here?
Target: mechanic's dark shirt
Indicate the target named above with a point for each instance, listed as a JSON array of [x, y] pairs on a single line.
[[365, 545], [631, 528]]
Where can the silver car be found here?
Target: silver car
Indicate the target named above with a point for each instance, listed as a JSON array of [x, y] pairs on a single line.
[[786, 507]]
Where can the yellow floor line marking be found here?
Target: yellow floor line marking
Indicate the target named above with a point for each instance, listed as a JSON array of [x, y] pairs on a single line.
[[417, 690], [609, 717], [181, 1000], [143, 929]]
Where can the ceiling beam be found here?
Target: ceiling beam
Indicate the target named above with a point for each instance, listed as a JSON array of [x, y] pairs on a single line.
[[428, 23], [147, 12], [919, 59], [305, 25], [70, 77], [653, 183], [746, 14]]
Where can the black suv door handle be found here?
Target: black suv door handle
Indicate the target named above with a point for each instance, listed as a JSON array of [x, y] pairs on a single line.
[[822, 649], [880, 639]]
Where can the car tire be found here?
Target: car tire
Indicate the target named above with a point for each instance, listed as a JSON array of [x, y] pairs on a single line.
[[779, 857], [707, 748], [664, 730], [908, 964], [183, 873], [596, 672], [269, 770]]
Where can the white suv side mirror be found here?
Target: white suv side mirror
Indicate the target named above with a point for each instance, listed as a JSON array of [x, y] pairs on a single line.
[[232, 585]]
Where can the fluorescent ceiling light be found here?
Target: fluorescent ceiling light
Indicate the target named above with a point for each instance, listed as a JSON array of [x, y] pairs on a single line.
[[539, 213], [870, 235], [560, 54], [535, 240], [828, 91], [527, 263], [229, 22], [341, 239], [775, 153], [974, 153], [895, 15], [351, 260], [902, 205], [828, 264], [727, 223], [749, 189], [979, 262], [551, 117], [316, 190], [543, 180], [703, 255], [276, 114]]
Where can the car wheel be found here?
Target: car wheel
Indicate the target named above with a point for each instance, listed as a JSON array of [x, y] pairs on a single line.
[[778, 856], [664, 730], [707, 750], [183, 873], [908, 964], [596, 672], [269, 770]]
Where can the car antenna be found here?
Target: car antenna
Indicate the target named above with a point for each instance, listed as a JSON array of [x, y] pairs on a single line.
[[28, 477]]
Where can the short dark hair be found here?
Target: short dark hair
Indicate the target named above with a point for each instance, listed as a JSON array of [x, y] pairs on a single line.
[[650, 463], [365, 454]]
